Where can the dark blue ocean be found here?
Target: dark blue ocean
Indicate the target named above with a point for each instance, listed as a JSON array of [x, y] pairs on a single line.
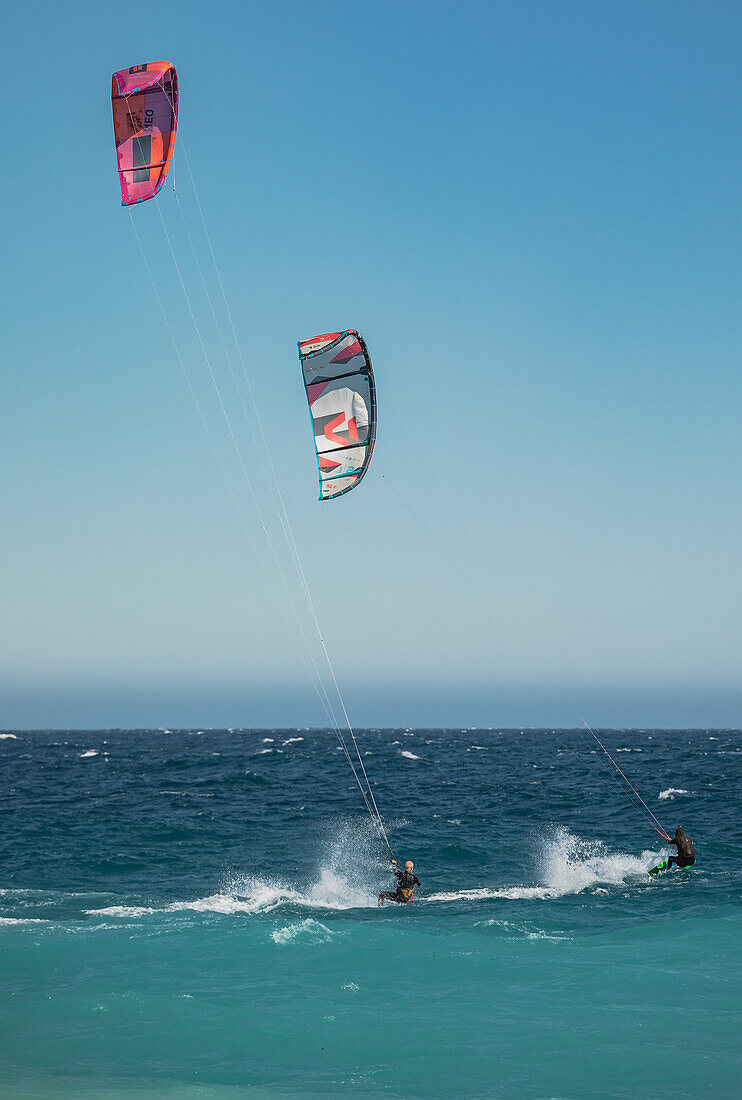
[[193, 914]]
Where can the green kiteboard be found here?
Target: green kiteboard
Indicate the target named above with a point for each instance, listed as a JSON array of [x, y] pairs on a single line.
[[664, 867]]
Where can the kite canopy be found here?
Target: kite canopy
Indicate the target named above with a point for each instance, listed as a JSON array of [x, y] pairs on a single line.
[[339, 381], [145, 121]]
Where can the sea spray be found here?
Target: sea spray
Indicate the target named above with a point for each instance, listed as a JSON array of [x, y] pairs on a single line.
[[566, 864], [570, 864]]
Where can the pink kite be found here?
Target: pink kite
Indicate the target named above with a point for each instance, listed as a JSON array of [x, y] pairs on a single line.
[[145, 121]]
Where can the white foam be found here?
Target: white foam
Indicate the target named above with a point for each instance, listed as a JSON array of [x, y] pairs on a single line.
[[121, 911], [569, 865], [268, 740], [307, 931], [87, 753], [670, 793], [485, 893], [520, 929], [230, 904], [22, 920], [8, 737], [293, 740], [409, 755], [349, 878]]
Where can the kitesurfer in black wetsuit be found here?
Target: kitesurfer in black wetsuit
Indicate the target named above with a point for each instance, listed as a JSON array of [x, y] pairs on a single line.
[[686, 856], [406, 882]]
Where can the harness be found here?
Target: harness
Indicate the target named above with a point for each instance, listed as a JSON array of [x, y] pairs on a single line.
[[406, 893]]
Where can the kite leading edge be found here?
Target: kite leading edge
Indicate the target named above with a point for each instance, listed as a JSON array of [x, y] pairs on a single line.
[[339, 381], [145, 121]]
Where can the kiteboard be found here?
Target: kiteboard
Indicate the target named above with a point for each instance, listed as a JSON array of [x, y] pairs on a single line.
[[665, 866]]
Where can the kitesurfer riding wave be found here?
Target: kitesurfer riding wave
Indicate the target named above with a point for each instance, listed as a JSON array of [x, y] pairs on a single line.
[[406, 882], [686, 856]]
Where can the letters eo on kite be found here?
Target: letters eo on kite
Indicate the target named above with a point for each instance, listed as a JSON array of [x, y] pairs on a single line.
[[339, 381], [145, 121]]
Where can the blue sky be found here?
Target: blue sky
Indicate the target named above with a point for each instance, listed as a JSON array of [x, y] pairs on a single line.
[[531, 211]]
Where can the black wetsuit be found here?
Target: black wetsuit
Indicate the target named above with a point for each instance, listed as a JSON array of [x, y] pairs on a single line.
[[686, 856], [406, 882]]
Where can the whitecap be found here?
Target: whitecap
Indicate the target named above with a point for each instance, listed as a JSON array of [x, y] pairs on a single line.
[[254, 895], [225, 904], [8, 737], [409, 755], [88, 753], [22, 920], [670, 793], [121, 911], [484, 893], [293, 740], [306, 931], [524, 929]]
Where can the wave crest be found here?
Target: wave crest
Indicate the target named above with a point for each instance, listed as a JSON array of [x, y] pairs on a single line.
[[306, 932], [670, 793]]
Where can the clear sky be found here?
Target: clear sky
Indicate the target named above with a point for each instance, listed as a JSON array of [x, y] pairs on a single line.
[[532, 213]]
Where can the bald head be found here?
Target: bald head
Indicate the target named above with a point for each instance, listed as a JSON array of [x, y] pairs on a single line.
[[409, 865]]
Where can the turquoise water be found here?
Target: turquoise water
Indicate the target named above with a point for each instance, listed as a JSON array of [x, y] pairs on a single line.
[[193, 914]]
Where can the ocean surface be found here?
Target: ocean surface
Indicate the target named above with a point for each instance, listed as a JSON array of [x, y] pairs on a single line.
[[193, 914]]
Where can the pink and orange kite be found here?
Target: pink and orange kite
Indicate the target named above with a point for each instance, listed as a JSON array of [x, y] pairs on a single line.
[[145, 121]]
